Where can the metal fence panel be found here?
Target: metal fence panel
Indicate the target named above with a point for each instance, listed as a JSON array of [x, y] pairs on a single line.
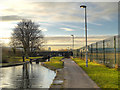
[[100, 52], [103, 52], [109, 52]]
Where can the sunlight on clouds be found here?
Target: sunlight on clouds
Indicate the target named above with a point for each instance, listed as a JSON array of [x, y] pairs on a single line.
[[2, 7], [43, 29], [51, 15], [5, 33], [63, 42], [6, 28], [16, 8], [59, 12], [67, 29], [5, 41]]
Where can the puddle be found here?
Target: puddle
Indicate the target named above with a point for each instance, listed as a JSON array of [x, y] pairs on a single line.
[[59, 69], [65, 67], [58, 82]]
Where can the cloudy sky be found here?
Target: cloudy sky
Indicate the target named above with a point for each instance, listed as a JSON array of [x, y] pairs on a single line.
[[58, 20]]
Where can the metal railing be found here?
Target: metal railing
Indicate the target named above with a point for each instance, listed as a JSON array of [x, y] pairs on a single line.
[[103, 52]]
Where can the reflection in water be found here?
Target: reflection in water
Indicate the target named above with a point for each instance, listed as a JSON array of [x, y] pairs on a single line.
[[26, 76], [25, 79]]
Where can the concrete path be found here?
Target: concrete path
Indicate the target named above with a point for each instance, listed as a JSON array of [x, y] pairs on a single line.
[[75, 77]]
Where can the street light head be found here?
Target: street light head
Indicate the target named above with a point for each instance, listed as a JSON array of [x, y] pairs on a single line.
[[82, 6]]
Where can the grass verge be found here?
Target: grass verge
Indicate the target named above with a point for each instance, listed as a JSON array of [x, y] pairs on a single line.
[[102, 75], [54, 63]]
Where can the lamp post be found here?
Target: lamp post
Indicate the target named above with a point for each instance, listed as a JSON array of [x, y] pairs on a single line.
[[73, 41], [83, 6]]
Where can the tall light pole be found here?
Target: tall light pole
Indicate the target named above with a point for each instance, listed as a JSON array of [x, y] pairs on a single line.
[[73, 41], [83, 6]]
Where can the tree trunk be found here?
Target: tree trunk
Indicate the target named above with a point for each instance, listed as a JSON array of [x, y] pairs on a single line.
[[27, 52]]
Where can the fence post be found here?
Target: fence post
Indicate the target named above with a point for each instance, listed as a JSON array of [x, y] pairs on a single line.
[[91, 59], [104, 51], [115, 47], [84, 53], [88, 52], [77, 53], [96, 51], [81, 54]]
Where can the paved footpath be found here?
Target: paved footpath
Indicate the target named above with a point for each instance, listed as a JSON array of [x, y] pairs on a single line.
[[75, 77]]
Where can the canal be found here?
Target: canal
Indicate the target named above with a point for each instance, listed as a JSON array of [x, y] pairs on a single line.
[[26, 76]]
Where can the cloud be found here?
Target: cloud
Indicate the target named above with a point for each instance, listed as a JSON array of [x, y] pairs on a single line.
[[45, 24], [43, 29], [5, 33], [67, 29], [6, 28], [77, 27], [10, 18], [96, 24], [73, 26], [51, 15], [58, 11], [102, 10], [64, 42]]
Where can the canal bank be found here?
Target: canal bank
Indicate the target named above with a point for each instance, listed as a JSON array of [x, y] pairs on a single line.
[[20, 62], [71, 76], [56, 64]]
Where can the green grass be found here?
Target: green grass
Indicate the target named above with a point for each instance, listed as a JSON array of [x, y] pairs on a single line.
[[34, 57], [15, 59], [55, 62], [103, 76], [19, 59]]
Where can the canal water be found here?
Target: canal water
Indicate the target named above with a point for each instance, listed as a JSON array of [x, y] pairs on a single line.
[[26, 76]]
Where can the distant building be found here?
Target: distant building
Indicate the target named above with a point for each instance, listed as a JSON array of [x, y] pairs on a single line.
[[49, 48]]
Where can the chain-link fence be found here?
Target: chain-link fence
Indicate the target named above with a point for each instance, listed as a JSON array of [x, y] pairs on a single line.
[[103, 52]]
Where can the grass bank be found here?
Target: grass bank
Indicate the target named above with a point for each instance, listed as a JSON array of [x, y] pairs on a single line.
[[54, 63], [15, 60], [19, 59], [102, 75]]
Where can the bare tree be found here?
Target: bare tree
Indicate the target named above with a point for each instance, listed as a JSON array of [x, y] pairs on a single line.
[[27, 35]]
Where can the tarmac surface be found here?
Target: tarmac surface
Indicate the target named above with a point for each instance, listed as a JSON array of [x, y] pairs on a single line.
[[75, 77]]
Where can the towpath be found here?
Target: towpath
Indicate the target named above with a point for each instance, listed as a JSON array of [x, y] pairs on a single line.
[[75, 77]]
